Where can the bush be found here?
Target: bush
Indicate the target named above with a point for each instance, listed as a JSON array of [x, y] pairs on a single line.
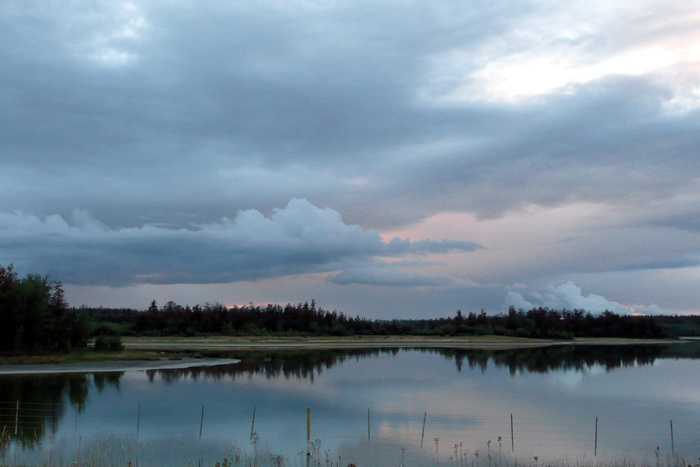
[[108, 344]]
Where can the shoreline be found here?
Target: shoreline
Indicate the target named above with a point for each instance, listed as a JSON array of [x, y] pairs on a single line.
[[117, 362], [109, 366], [486, 342]]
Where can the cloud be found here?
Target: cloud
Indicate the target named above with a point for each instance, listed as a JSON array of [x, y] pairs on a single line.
[[391, 275], [265, 98], [397, 246], [297, 239], [163, 118], [569, 296]]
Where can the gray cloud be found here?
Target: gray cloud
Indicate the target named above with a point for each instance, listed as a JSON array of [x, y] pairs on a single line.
[[390, 275], [165, 117], [128, 102], [398, 246], [297, 239]]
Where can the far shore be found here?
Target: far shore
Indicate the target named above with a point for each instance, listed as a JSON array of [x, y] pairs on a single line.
[[229, 342], [151, 353]]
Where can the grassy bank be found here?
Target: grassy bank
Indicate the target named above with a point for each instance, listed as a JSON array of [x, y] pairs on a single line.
[[158, 348], [343, 340], [85, 356]]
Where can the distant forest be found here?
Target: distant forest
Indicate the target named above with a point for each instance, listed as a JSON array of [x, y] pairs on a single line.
[[305, 319], [35, 318]]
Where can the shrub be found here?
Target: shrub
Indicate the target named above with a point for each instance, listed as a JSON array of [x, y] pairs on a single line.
[[108, 344]]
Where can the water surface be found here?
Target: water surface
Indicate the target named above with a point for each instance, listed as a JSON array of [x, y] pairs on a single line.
[[369, 406]]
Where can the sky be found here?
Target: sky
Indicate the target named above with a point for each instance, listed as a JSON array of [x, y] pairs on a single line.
[[394, 159]]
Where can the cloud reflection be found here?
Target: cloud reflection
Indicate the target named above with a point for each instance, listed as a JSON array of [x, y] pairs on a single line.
[[554, 394]]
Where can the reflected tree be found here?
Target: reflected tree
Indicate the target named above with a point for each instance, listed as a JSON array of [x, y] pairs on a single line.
[[308, 363], [31, 406]]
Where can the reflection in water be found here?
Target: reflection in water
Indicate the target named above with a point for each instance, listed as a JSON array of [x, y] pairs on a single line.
[[398, 383], [31, 406], [557, 358], [309, 363], [273, 364]]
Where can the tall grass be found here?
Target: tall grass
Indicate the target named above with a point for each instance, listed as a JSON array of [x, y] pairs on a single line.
[[128, 452]]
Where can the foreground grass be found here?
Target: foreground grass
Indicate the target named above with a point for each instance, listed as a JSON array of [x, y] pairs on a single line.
[[128, 452]]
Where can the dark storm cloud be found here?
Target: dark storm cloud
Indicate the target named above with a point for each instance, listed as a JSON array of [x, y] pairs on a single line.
[[298, 239], [150, 102], [153, 99]]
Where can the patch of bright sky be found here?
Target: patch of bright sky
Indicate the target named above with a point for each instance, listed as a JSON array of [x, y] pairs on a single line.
[[526, 232], [522, 76], [567, 44], [534, 224]]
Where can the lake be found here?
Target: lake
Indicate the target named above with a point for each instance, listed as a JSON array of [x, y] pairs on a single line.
[[379, 406]]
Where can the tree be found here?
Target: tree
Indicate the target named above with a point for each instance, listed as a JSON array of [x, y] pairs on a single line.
[[32, 313], [60, 336], [79, 334], [36, 323]]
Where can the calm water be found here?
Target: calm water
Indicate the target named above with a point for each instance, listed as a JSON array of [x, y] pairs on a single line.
[[368, 407]]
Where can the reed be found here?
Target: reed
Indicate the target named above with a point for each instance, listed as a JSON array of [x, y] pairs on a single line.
[[107, 453], [190, 451]]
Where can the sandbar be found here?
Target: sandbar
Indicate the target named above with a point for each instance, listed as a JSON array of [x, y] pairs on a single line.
[[112, 366]]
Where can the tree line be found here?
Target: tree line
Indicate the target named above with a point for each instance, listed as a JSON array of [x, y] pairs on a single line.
[[35, 317], [680, 325], [307, 318]]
